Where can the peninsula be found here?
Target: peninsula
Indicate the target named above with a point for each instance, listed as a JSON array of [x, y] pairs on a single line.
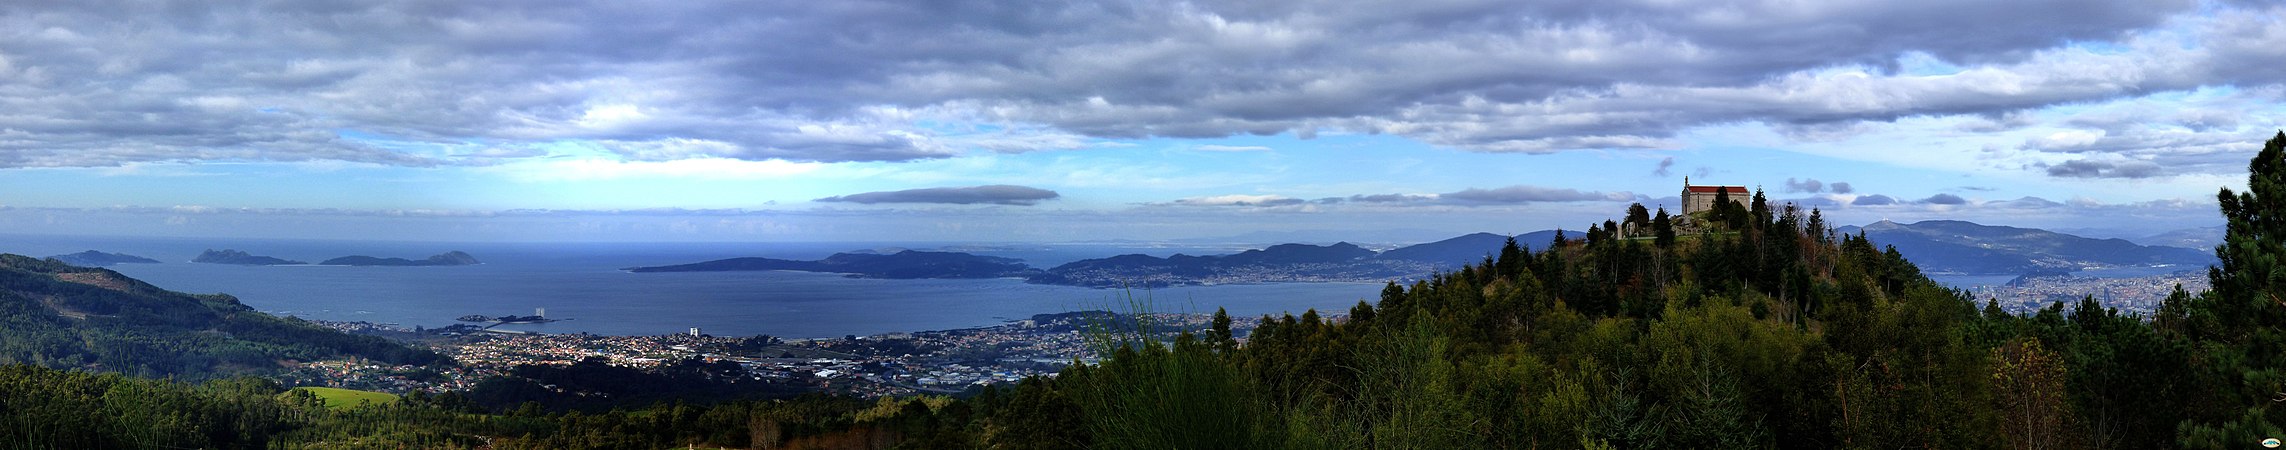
[[93, 258]]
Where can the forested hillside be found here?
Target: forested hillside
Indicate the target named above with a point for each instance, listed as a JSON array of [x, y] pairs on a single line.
[[62, 316], [1765, 333]]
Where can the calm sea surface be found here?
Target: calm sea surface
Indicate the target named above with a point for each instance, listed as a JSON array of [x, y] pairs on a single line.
[[583, 282]]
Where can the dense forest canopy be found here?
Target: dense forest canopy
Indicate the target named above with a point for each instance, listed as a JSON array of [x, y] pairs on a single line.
[[1758, 329]]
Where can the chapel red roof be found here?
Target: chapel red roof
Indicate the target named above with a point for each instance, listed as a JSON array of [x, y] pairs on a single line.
[[1732, 189]]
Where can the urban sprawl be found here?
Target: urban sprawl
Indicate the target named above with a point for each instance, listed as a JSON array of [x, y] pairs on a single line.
[[894, 364]]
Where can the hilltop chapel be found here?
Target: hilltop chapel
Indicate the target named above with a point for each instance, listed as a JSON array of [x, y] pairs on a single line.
[[1702, 198]]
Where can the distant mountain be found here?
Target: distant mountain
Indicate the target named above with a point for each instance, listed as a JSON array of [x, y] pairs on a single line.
[[452, 258], [908, 264], [2202, 238], [1539, 240], [1283, 262], [1951, 246], [93, 258], [62, 316], [1299, 254], [240, 258], [1452, 253]]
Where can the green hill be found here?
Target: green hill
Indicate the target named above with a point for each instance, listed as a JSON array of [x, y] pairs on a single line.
[[60, 316]]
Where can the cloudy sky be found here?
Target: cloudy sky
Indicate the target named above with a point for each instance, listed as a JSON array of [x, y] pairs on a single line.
[[1062, 121]]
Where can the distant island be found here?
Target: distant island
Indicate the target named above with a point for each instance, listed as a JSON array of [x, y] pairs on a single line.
[[226, 256], [452, 258], [93, 258], [908, 264], [1278, 263], [874, 266]]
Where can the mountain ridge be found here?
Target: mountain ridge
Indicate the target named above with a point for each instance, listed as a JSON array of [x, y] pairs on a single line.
[[1962, 247]]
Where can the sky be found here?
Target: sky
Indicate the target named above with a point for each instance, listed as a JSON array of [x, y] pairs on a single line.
[[1008, 121]]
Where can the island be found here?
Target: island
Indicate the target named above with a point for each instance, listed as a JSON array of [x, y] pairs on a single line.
[[452, 258], [212, 256], [93, 258], [908, 264], [1341, 262]]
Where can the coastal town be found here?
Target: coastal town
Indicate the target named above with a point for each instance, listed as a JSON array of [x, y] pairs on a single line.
[[891, 364], [2130, 295]]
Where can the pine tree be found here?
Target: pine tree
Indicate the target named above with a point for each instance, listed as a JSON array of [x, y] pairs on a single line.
[[1664, 229], [2250, 284], [1760, 208], [2246, 311], [1219, 336]]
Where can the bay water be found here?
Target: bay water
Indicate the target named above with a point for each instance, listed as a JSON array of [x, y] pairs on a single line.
[[585, 283]]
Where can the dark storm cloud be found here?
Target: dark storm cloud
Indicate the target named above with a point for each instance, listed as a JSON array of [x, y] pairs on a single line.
[[999, 194], [110, 82]]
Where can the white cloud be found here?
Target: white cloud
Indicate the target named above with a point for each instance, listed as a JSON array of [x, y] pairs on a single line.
[[2067, 140], [1231, 148], [104, 83]]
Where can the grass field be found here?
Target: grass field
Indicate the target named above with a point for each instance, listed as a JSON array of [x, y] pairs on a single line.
[[337, 398]]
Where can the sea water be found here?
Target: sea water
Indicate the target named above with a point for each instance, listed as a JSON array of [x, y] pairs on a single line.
[[585, 283]]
